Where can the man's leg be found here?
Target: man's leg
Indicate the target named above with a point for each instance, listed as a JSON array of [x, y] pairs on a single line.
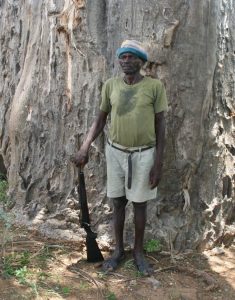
[[118, 222], [140, 211]]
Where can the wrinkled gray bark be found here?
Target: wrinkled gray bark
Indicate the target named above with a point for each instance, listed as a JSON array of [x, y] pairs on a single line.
[[55, 56]]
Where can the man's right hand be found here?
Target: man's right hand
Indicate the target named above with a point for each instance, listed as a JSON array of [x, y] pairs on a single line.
[[81, 158]]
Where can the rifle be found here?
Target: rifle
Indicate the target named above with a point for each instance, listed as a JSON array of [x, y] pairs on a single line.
[[93, 252]]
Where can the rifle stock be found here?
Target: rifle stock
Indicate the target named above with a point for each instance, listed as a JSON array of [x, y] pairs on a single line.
[[93, 252]]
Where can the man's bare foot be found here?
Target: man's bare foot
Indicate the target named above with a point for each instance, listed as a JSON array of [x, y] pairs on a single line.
[[113, 262], [142, 265]]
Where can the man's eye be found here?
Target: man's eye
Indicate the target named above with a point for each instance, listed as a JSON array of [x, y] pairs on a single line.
[[127, 57]]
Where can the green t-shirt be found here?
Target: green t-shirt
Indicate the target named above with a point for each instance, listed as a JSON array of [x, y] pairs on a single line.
[[133, 109]]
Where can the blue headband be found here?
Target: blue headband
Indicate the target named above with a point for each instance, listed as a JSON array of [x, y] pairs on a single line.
[[137, 52]]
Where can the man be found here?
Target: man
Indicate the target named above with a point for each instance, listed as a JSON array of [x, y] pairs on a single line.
[[134, 150]]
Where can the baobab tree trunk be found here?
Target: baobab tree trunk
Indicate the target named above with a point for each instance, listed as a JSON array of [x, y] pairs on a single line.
[[55, 56]]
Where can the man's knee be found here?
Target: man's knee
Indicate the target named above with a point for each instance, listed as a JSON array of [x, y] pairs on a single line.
[[141, 205], [119, 202]]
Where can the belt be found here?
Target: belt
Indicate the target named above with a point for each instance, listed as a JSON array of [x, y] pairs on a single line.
[[129, 159]]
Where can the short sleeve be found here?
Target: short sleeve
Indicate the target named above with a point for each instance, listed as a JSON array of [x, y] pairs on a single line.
[[161, 99], [105, 98]]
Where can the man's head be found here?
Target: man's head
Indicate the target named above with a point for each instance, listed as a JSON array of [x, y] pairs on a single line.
[[134, 47], [132, 56]]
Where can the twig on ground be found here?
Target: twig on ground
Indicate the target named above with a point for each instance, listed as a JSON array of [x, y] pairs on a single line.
[[25, 242], [87, 277], [164, 269], [116, 274], [152, 258], [122, 280]]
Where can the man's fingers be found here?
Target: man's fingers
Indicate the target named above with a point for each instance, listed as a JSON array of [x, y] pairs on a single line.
[[154, 185], [81, 163], [151, 177], [154, 177], [80, 159], [155, 182]]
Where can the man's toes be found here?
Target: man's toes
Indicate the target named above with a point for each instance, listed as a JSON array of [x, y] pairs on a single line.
[[109, 265], [143, 267], [112, 263]]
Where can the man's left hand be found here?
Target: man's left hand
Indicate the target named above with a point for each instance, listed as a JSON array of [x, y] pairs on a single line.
[[155, 176]]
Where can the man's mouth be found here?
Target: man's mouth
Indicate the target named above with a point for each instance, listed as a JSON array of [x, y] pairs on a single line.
[[126, 66]]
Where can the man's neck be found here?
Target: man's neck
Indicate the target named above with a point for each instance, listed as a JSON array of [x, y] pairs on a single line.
[[132, 78]]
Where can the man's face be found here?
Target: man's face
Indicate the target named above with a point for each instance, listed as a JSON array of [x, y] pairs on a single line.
[[130, 63]]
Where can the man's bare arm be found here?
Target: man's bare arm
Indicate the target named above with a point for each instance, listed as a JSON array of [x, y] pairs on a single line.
[[160, 137], [81, 157], [156, 171]]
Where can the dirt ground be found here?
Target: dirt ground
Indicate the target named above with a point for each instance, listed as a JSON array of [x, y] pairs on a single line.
[[33, 267]]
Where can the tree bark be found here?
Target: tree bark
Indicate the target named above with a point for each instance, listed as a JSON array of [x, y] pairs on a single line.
[[55, 56]]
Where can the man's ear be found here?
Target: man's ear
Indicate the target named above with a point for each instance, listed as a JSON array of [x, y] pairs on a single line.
[[143, 62]]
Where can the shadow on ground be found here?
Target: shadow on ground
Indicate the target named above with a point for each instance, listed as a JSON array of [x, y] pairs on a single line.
[[33, 267]]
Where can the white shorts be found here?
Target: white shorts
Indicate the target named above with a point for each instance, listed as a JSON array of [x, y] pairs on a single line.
[[117, 174]]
